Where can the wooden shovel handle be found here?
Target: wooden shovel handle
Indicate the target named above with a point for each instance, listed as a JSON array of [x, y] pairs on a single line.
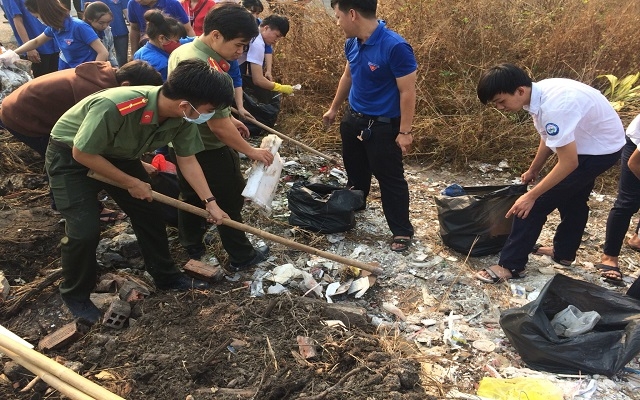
[[289, 139], [249, 229]]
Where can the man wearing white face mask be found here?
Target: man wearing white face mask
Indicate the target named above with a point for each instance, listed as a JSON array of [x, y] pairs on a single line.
[[107, 133]]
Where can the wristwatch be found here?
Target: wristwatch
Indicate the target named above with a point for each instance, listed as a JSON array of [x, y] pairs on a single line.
[[405, 133], [208, 200]]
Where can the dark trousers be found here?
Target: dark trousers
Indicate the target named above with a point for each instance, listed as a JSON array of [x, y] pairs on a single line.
[[48, 63], [221, 167], [381, 157], [75, 195], [121, 45], [570, 198], [627, 203]]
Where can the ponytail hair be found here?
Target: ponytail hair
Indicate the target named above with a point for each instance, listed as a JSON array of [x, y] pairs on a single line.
[[162, 24], [95, 10]]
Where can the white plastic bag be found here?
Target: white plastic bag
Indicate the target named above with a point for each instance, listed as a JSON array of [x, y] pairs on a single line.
[[572, 322], [262, 181]]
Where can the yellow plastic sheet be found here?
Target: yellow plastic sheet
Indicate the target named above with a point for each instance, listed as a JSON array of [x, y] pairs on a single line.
[[524, 388]]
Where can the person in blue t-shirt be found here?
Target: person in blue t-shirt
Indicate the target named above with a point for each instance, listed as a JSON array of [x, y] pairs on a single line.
[[136, 10], [77, 40], [164, 36], [379, 80], [99, 16], [25, 27], [119, 28]]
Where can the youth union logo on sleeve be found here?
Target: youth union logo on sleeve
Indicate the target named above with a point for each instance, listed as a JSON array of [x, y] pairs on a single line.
[[552, 129]]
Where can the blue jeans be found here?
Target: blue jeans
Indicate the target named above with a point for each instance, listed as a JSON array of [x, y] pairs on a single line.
[[570, 198]]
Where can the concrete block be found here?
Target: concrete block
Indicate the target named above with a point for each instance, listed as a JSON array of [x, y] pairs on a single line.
[[202, 271], [117, 314], [132, 291]]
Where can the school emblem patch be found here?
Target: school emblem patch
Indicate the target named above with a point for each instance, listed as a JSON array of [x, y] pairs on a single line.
[[373, 66], [552, 129]]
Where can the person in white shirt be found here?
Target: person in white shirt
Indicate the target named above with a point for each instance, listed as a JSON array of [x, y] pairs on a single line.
[[627, 203], [272, 29], [577, 123]]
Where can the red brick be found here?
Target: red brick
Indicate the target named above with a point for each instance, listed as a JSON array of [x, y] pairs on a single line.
[[203, 271], [69, 333]]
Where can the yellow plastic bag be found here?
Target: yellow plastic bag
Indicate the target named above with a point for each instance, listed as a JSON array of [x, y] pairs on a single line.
[[524, 388]]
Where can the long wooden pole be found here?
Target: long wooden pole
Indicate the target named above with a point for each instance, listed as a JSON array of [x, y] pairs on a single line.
[[289, 139], [57, 371], [246, 228]]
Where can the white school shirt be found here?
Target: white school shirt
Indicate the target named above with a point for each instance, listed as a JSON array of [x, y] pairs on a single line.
[[633, 131], [255, 54], [566, 111]]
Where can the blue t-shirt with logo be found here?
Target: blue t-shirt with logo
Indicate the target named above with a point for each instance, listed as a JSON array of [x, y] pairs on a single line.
[[74, 41], [169, 7], [375, 65], [32, 25], [118, 25], [157, 57]]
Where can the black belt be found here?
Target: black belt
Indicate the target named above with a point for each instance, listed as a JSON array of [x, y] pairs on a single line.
[[384, 120], [58, 144]]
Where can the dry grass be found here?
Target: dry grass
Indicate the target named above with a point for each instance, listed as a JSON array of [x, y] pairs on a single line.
[[454, 41]]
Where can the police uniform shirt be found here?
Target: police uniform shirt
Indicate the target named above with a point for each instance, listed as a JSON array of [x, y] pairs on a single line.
[[104, 124], [74, 41], [566, 111], [633, 131], [198, 49], [375, 65]]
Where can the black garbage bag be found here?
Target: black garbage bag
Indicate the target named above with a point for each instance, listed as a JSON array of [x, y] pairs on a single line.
[[478, 214], [612, 343], [167, 184], [263, 104], [323, 208]]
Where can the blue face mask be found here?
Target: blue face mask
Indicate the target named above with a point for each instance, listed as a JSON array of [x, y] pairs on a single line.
[[202, 117]]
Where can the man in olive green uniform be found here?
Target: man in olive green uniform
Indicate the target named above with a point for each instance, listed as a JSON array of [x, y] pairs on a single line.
[[227, 29], [108, 132]]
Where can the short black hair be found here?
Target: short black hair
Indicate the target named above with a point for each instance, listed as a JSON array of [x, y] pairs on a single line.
[[501, 78], [232, 21], [195, 81], [366, 8], [254, 6], [138, 72], [279, 22]]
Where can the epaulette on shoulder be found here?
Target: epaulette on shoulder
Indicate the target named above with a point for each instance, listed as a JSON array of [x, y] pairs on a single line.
[[129, 106]]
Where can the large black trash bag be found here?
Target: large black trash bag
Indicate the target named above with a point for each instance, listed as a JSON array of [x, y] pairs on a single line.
[[612, 343], [480, 213], [323, 208], [263, 104]]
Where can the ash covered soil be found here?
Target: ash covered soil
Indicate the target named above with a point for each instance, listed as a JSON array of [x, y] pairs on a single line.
[[226, 343]]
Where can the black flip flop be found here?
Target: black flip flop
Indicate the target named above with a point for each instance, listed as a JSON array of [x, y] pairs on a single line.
[[403, 242], [614, 281]]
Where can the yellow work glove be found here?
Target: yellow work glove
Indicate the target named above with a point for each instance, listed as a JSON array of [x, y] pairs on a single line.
[[286, 89]]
